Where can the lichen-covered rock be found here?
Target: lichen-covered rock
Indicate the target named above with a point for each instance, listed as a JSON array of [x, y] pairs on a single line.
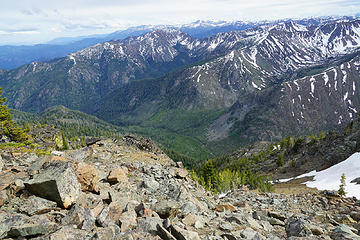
[[18, 225], [70, 233], [35, 205], [57, 182], [249, 233], [31, 230], [108, 233]]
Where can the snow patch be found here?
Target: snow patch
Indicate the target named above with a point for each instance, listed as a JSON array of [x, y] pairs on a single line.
[[297, 85], [354, 88], [255, 86], [289, 86], [229, 57], [344, 77], [335, 73], [326, 78], [329, 179], [312, 80], [34, 66], [71, 57]]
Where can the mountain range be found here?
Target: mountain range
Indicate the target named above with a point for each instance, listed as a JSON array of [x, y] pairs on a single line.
[[204, 96], [13, 56]]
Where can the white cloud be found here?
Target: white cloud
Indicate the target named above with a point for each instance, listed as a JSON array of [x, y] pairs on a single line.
[[81, 17]]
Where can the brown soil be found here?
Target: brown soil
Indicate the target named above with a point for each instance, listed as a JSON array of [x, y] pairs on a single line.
[[295, 186]]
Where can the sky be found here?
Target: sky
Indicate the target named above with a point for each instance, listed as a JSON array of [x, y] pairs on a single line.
[[38, 21]]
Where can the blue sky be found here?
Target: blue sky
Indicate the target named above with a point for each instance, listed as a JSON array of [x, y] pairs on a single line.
[[36, 21]]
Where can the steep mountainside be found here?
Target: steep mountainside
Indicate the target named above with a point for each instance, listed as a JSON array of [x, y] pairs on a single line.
[[250, 95], [72, 123], [297, 155], [88, 75], [219, 92], [323, 101]]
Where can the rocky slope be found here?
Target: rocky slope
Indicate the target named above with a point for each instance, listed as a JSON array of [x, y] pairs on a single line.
[[128, 189]]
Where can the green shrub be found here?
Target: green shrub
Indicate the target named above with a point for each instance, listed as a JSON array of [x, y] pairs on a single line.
[[298, 143], [280, 160]]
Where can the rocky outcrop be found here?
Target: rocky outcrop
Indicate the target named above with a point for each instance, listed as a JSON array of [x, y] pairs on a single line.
[[120, 190]]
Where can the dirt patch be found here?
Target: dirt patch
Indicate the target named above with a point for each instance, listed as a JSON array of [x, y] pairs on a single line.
[[294, 186]]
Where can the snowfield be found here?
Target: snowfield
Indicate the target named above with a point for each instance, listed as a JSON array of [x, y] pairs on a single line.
[[329, 179]]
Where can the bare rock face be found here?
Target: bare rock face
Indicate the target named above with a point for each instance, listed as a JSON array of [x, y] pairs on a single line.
[[57, 182]]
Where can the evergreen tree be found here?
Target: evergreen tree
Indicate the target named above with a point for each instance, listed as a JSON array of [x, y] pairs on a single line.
[[208, 173], [64, 142], [341, 190], [280, 161], [8, 127]]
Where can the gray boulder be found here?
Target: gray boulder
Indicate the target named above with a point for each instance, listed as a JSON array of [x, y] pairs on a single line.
[[57, 182], [29, 230], [343, 232], [295, 226], [70, 233], [83, 218], [16, 225], [356, 180], [103, 218], [182, 234], [149, 224], [165, 208], [249, 233]]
